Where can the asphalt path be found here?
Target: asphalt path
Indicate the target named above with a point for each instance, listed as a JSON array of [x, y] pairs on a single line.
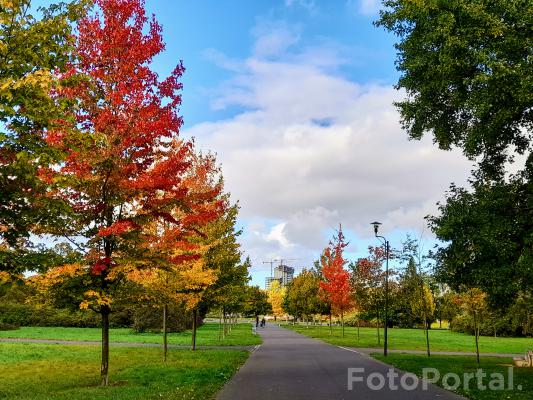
[[290, 366]]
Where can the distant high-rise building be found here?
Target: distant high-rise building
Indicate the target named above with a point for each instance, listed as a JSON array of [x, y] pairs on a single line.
[[284, 274]]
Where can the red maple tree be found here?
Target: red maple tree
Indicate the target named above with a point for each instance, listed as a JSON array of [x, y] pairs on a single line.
[[125, 172], [335, 285]]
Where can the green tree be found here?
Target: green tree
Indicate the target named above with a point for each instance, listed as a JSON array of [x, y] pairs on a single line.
[[466, 67], [302, 296], [409, 285], [30, 49], [228, 293], [256, 302], [488, 238]]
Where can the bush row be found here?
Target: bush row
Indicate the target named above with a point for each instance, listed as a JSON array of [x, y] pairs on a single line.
[[142, 319], [494, 326]]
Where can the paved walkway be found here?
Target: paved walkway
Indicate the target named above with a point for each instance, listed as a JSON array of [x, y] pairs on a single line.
[[290, 366], [120, 344]]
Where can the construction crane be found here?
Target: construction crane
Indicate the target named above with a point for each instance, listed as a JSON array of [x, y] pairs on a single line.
[[271, 262], [281, 260]]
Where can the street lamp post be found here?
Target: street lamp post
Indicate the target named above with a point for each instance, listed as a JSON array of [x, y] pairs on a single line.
[[376, 225]]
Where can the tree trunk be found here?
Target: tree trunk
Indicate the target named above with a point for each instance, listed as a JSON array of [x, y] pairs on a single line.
[[224, 332], [165, 342], [358, 325], [342, 323], [104, 368], [330, 324], [220, 327], [427, 335], [377, 324], [476, 332], [194, 314]]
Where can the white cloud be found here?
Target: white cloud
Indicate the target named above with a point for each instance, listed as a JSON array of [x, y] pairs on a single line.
[[277, 234], [311, 149], [274, 38], [364, 7]]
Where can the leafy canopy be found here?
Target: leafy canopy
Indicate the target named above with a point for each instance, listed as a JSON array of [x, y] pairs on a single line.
[[467, 70]]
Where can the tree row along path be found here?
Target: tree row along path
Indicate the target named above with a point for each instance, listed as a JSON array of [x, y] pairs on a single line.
[[290, 366]]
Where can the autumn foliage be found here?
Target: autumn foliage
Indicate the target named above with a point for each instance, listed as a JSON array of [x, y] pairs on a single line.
[[335, 286], [136, 193]]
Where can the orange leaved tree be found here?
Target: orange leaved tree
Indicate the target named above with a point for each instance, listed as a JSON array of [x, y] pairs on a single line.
[[179, 272], [124, 168], [335, 285]]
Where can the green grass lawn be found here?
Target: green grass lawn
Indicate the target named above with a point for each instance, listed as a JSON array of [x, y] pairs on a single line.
[[39, 371], [207, 335], [414, 339], [523, 377]]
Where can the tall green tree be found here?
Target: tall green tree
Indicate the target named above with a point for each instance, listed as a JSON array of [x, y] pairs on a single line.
[[32, 49], [227, 294], [466, 67], [488, 236]]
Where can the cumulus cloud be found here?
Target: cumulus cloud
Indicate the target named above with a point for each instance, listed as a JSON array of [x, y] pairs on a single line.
[[311, 148]]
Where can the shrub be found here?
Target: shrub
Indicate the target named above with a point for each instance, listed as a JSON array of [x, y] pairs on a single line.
[[18, 314], [4, 326], [491, 325], [15, 314], [150, 319]]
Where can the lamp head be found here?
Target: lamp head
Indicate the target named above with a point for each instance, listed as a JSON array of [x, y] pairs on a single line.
[[376, 225]]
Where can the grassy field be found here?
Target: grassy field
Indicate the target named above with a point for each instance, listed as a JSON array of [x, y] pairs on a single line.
[[39, 372], [522, 377], [414, 339], [207, 335]]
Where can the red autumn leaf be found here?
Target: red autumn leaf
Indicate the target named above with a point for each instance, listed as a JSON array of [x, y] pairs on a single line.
[[118, 228]]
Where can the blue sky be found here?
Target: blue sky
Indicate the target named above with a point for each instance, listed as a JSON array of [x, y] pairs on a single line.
[[200, 31], [296, 99]]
